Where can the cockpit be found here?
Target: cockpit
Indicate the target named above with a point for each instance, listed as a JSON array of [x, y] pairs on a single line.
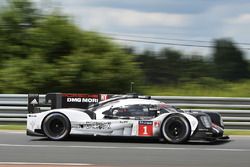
[[139, 111]]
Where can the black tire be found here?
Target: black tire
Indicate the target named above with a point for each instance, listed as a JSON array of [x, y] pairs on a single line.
[[176, 129], [56, 126]]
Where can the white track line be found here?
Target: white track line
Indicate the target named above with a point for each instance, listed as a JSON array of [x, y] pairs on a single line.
[[38, 163], [132, 148]]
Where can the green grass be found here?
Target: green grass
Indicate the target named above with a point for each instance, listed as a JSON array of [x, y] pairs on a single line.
[[12, 127], [237, 132], [214, 88]]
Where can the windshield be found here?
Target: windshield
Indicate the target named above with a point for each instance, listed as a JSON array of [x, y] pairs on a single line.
[[164, 108]]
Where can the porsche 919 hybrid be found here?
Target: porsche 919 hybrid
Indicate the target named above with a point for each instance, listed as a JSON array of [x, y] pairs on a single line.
[[125, 116]]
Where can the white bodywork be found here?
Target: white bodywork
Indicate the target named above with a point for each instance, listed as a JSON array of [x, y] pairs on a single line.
[[82, 124]]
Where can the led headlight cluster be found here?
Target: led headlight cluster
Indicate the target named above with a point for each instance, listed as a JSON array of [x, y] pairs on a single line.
[[206, 121]]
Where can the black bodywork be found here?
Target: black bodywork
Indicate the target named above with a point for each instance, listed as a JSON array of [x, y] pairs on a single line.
[[216, 131]]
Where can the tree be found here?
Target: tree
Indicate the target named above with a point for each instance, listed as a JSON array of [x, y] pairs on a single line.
[[110, 72], [194, 68], [28, 75], [148, 62], [171, 63], [164, 67], [55, 37], [229, 61], [15, 21], [51, 54]]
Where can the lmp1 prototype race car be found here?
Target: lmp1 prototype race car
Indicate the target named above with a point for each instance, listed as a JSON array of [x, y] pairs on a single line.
[[127, 115]]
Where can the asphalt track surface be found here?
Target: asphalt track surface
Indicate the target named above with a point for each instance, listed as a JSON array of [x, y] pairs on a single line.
[[16, 147]]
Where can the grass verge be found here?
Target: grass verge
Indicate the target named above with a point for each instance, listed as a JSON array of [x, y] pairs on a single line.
[[237, 132], [216, 89], [13, 127]]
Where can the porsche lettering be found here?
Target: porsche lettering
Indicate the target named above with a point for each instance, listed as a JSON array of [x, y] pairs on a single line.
[[95, 125]]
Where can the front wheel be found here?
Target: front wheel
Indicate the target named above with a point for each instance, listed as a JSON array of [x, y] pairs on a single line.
[[56, 126], [176, 129]]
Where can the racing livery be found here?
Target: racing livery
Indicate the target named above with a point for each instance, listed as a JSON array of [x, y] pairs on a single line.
[[128, 115]]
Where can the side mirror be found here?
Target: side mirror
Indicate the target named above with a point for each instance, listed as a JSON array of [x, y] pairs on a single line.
[[108, 113], [157, 113]]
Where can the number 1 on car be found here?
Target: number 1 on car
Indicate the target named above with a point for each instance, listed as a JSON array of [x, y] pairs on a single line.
[[145, 128]]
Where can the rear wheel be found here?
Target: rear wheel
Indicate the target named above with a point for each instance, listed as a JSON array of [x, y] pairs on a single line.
[[175, 129], [56, 126]]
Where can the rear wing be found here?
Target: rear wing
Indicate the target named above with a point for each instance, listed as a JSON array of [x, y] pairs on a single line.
[[38, 103]]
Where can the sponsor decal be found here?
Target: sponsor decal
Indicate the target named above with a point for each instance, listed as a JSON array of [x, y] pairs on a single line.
[[95, 125], [82, 100], [34, 102], [123, 122], [157, 124], [145, 122], [78, 100], [104, 97], [80, 95], [145, 128], [31, 115]]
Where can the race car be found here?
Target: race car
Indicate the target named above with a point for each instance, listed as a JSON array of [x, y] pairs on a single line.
[[124, 116]]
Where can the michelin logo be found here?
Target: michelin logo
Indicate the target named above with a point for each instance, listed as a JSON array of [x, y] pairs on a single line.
[[82, 100]]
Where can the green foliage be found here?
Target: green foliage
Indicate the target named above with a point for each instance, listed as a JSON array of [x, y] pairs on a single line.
[[228, 61], [48, 53], [172, 67], [15, 20], [32, 74], [108, 72], [55, 37]]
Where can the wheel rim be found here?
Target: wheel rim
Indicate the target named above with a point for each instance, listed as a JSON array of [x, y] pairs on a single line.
[[175, 130], [57, 127]]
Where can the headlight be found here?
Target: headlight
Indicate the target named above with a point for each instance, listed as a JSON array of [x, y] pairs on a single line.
[[206, 121]]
